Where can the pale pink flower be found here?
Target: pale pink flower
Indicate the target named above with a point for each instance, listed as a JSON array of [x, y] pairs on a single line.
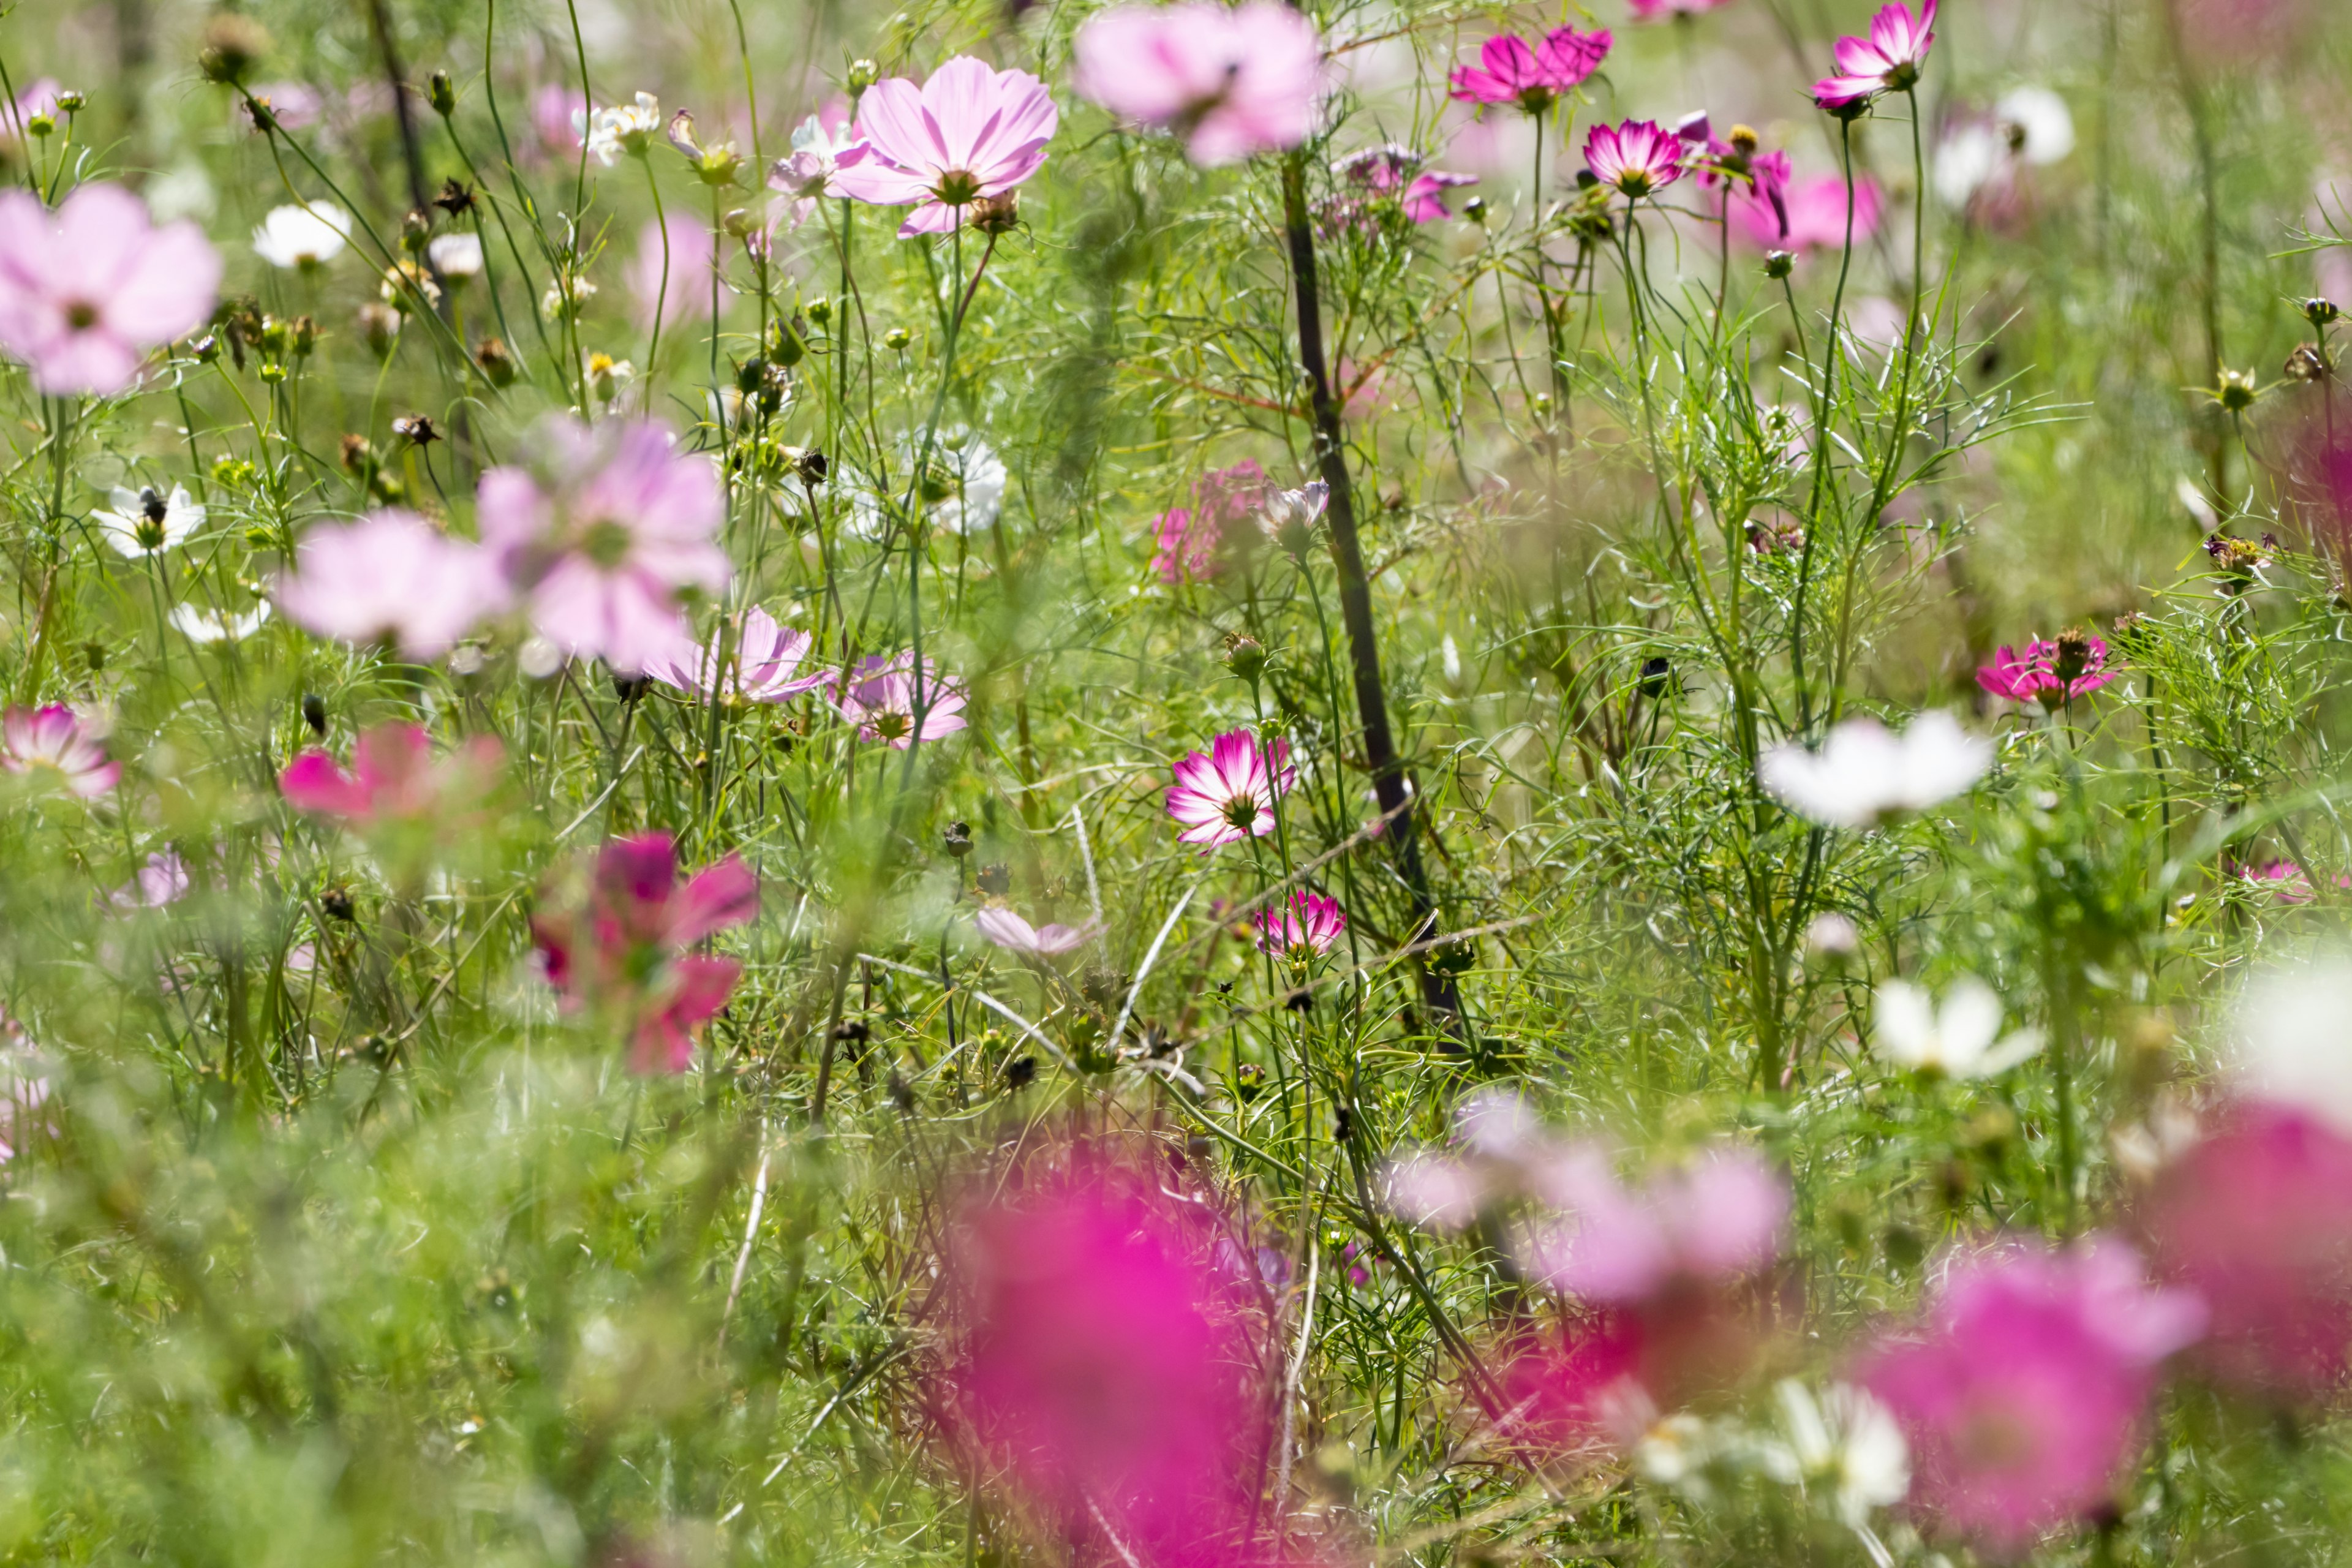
[[392, 578], [1227, 793], [163, 878], [393, 777], [818, 142], [553, 111], [24, 1115], [1305, 923], [764, 666], [1639, 157], [882, 696], [1888, 61], [1810, 214], [1707, 1223], [623, 954], [1510, 71], [2025, 1391], [603, 533], [968, 132], [41, 97], [51, 747], [686, 295], [1502, 1153], [87, 290], [1231, 82], [295, 106], [1010, 932]]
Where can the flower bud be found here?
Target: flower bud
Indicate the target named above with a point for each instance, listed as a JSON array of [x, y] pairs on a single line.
[[1474, 209], [359, 456], [820, 310], [999, 214], [314, 712], [1245, 656], [498, 366], [1744, 141], [748, 375], [232, 46], [863, 74], [1779, 264], [994, 880], [416, 429], [379, 329], [2318, 312], [2237, 392], [2303, 364], [441, 93], [956, 839], [302, 335], [72, 102], [739, 223], [415, 232], [785, 344], [897, 339]]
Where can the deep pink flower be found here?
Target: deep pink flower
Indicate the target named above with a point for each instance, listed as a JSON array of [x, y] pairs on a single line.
[[1704, 1225], [602, 534], [1639, 157], [1227, 793], [1425, 199], [393, 777], [1305, 923], [1231, 82], [688, 294], [1010, 932], [2024, 1393], [2050, 673], [1510, 71], [1757, 181], [1390, 172], [2283, 880], [1889, 60], [392, 578], [623, 954], [968, 132], [1189, 539], [2257, 1218], [49, 744], [1566, 1392], [882, 695], [1812, 213], [87, 290], [765, 666]]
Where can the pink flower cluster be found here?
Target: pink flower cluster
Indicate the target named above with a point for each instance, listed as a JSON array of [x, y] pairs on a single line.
[[1378, 176], [1533, 77], [1190, 539]]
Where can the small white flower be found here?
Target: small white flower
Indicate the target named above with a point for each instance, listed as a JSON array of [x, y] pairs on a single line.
[[1831, 935], [976, 477], [1298, 509], [147, 523], [1865, 775], [218, 625], [609, 132], [302, 236], [1960, 1039], [2038, 124], [455, 256], [1846, 1444]]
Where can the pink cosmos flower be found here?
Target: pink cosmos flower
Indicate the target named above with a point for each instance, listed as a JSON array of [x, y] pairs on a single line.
[[161, 880], [1510, 71], [881, 696], [967, 133], [1227, 793], [24, 1093], [1425, 199], [2283, 880], [764, 666], [1889, 60], [1812, 213], [1231, 82], [1568, 1393], [41, 97], [1390, 172], [1189, 539], [1010, 932], [1639, 157], [602, 534], [392, 578], [50, 746], [2023, 1394], [2257, 1218], [818, 142], [296, 106], [1758, 181], [623, 954], [552, 110], [2050, 673], [87, 290], [688, 294], [1704, 1225], [393, 777], [1306, 923]]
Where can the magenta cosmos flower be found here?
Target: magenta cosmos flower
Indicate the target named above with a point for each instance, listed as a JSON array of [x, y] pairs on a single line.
[[1231, 82], [1510, 71], [2023, 1394], [393, 777], [2050, 673], [1010, 932], [391, 578], [1189, 537], [764, 667], [1889, 60], [1305, 924], [968, 132], [603, 533], [623, 954], [87, 290], [1227, 793], [881, 697], [1812, 213], [1639, 157], [49, 745]]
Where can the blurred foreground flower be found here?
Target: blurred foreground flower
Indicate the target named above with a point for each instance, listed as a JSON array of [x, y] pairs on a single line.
[[1888, 61], [1010, 932], [622, 953], [87, 290], [393, 777], [391, 578], [1192, 540], [805, 177], [1844, 1445], [161, 880], [1231, 82], [967, 133], [1510, 71], [1865, 776], [884, 698], [1227, 793], [51, 747], [302, 237], [1961, 1039], [761, 667]]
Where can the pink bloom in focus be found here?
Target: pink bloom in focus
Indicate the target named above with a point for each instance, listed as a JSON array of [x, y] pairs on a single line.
[[2050, 673], [161, 880], [1010, 932], [1812, 215], [1306, 923], [1231, 82], [49, 744], [1189, 539], [1639, 157], [392, 578], [968, 132], [881, 698], [1707, 1223], [1508, 71], [1227, 793], [1889, 60], [2257, 1218], [690, 258], [2024, 1393], [766, 658], [623, 954], [601, 535], [394, 778], [87, 290]]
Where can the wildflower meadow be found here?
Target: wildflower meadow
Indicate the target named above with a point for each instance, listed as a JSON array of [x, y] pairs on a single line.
[[1351, 785]]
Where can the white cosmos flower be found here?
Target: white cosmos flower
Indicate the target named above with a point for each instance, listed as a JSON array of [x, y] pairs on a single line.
[[1865, 775], [2292, 1034], [976, 477], [2029, 125], [218, 625], [146, 523], [455, 256], [1961, 1039], [609, 132], [1844, 1443], [302, 236]]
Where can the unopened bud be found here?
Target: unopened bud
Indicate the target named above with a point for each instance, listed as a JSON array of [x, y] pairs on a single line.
[[956, 839], [379, 329], [1474, 209], [415, 232], [739, 223], [784, 345], [71, 101], [2320, 312], [999, 214], [1779, 264], [314, 712], [232, 46], [897, 339], [498, 366], [863, 74], [1245, 656], [1744, 141], [820, 310], [441, 93]]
